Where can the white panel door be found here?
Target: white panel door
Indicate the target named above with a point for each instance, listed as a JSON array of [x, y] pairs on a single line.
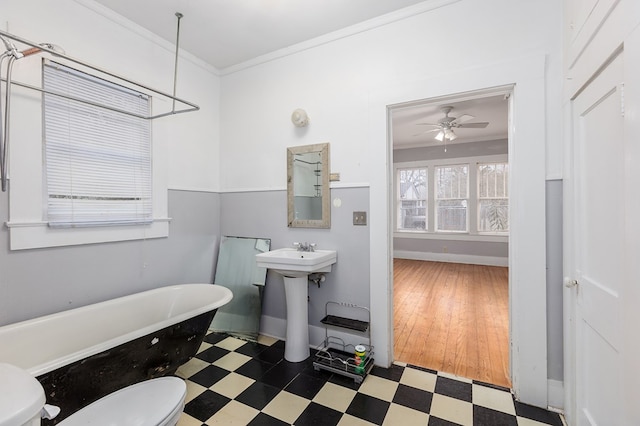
[[598, 232]]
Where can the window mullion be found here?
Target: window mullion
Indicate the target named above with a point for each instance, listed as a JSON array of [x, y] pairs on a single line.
[[472, 202]]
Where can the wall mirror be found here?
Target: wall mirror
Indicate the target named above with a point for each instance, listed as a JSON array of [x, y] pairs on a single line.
[[308, 186]]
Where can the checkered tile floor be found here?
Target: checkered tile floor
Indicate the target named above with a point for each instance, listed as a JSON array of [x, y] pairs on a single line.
[[233, 382]]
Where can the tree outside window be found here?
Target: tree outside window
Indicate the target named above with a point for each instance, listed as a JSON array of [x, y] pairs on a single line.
[[412, 199], [493, 197]]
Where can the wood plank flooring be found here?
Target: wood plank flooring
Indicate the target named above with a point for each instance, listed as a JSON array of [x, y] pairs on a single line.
[[453, 317]]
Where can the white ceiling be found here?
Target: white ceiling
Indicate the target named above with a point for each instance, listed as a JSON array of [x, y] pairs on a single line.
[[408, 133], [226, 33]]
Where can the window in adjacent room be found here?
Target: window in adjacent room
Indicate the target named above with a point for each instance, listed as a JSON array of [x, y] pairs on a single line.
[[98, 161], [412, 198], [452, 198], [458, 197], [493, 197]]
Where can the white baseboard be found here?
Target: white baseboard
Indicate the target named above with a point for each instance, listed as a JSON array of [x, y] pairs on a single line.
[[452, 258], [273, 327], [555, 394]]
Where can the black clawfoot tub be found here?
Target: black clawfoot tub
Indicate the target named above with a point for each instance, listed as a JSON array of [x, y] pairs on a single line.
[[83, 354]]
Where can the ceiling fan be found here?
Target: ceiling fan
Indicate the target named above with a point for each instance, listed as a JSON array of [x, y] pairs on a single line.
[[445, 125]]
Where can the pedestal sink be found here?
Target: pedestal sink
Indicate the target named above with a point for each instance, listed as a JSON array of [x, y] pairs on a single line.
[[295, 266]]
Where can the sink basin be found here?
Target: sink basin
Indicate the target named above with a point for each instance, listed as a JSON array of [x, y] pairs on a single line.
[[293, 263], [295, 266]]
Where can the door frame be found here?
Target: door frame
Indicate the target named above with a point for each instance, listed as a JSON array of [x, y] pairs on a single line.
[[527, 251]]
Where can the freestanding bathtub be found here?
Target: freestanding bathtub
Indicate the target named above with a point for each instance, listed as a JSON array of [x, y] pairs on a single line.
[[83, 354]]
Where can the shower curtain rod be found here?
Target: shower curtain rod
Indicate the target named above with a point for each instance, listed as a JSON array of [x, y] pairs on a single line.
[[191, 106]]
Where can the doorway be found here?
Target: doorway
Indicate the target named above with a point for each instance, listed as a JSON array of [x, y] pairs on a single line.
[[525, 77], [450, 228]]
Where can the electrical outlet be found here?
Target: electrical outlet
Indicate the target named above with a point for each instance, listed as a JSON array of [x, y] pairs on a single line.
[[445, 249], [359, 218]]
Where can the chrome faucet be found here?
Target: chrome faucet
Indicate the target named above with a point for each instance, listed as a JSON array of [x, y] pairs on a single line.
[[305, 246]]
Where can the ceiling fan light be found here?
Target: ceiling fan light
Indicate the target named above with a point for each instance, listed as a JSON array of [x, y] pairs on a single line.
[[440, 136], [450, 135]]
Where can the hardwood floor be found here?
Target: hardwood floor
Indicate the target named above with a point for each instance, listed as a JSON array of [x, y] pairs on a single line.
[[453, 317]]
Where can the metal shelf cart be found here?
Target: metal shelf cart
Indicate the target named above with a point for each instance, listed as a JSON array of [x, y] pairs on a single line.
[[335, 354]]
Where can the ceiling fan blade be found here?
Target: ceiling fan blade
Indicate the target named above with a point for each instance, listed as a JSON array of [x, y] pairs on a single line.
[[463, 118], [481, 125], [428, 124], [426, 131]]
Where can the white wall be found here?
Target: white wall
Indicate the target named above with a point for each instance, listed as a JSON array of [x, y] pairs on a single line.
[[345, 85], [338, 83], [37, 282], [334, 83], [97, 36]]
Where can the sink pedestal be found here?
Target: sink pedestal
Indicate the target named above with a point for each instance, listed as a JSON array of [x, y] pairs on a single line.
[[296, 290], [295, 267]]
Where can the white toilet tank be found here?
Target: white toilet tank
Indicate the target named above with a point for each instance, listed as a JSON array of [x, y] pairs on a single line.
[[22, 397]]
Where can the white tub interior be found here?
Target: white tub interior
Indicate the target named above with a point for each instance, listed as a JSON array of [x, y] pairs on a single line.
[[43, 344]]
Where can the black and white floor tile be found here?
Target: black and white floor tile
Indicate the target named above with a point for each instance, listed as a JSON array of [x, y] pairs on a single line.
[[233, 382]]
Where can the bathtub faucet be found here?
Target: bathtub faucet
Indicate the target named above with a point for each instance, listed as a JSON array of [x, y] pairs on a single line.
[[305, 246]]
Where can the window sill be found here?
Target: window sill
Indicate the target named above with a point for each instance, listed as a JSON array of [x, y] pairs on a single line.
[[451, 237], [30, 235]]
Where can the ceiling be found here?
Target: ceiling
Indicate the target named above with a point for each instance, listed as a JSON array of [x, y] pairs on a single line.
[[408, 133], [225, 33], [228, 33]]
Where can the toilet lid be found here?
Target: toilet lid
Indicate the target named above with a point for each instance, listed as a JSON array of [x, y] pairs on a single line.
[[22, 396], [148, 403]]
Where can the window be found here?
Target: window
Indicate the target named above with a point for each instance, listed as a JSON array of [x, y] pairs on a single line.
[[458, 199], [493, 197], [98, 161], [412, 199], [451, 195]]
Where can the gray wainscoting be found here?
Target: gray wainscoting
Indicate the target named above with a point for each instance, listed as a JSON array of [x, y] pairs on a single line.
[[42, 281], [264, 214]]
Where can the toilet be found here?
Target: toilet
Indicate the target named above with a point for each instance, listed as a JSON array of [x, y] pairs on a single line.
[[155, 402]]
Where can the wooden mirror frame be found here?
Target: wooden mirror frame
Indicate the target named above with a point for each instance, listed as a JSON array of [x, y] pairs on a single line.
[[325, 221]]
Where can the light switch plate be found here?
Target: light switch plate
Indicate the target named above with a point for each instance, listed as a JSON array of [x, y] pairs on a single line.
[[359, 218]]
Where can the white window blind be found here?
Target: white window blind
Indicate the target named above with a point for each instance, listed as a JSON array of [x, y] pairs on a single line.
[[98, 162]]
